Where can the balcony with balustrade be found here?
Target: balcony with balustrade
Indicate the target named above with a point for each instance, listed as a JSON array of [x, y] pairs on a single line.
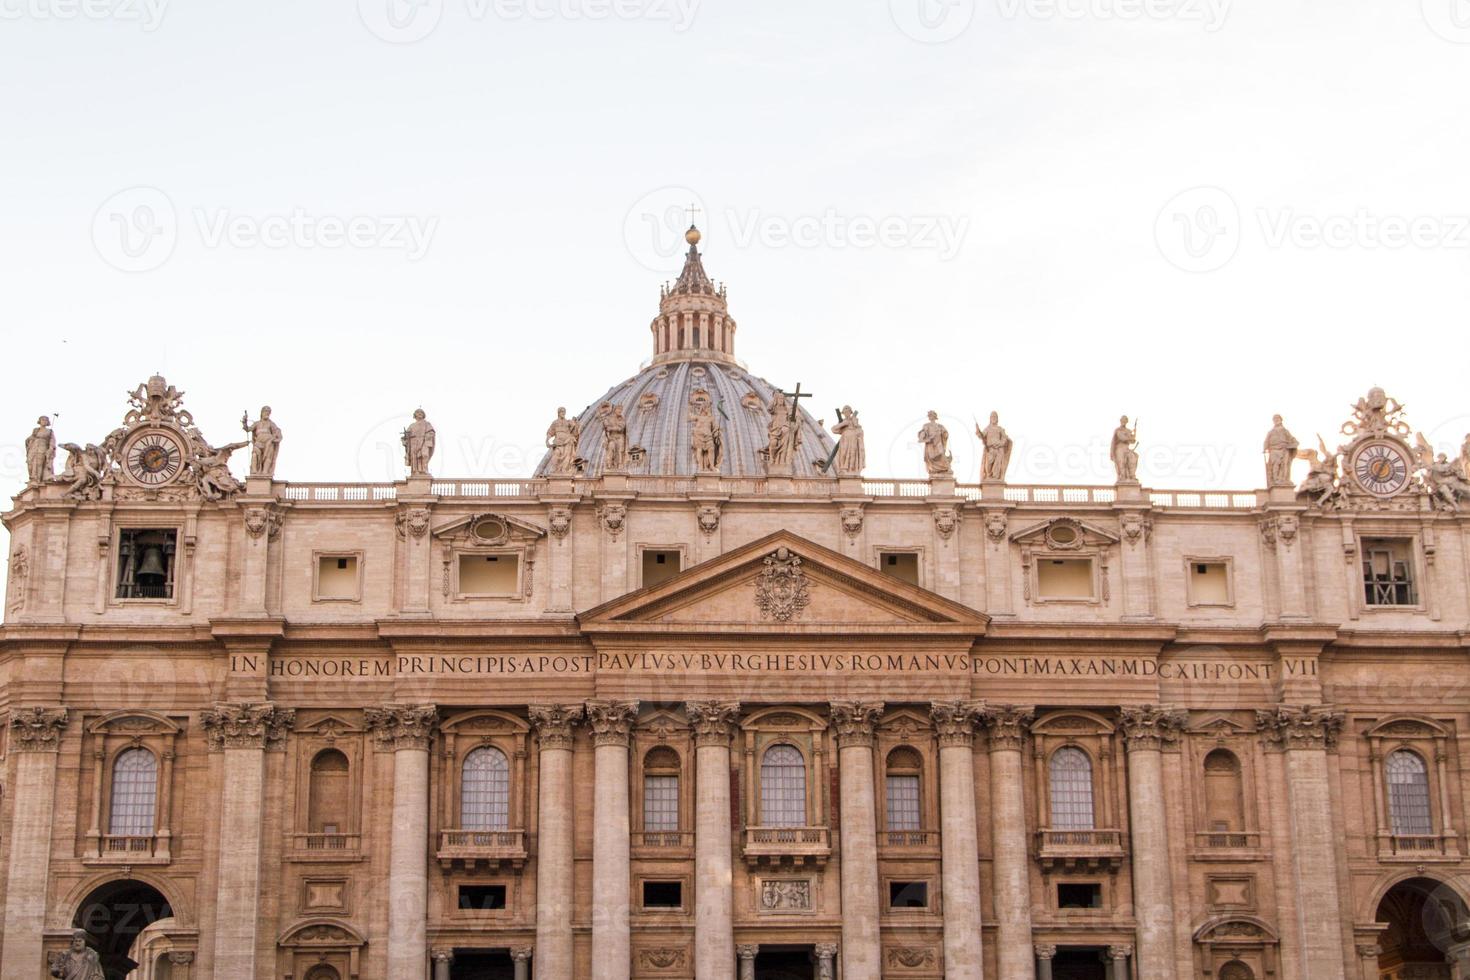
[[1418, 848], [794, 846], [663, 845], [130, 849], [325, 847], [908, 844], [1227, 845], [482, 849], [1080, 850]]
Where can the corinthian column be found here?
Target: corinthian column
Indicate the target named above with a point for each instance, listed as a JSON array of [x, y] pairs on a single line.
[[861, 952], [714, 921], [35, 735], [1146, 730], [1305, 734], [954, 722], [1007, 726], [554, 724], [406, 730], [242, 731], [610, 722]]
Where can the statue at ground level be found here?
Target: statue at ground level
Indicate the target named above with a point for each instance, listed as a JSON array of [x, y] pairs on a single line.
[[1124, 451], [615, 436], [418, 444], [935, 439], [561, 438], [41, 453], [997, 445], [852, 455], [265, 441], [77, 961], [1280, 449]]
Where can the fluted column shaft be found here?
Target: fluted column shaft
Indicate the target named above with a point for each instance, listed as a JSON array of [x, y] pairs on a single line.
[[407, 731], [554, 724], [611, 724], [714, 921], [35, 735], [954, 722], [1007, 726], [861, 950], [1146, 730]]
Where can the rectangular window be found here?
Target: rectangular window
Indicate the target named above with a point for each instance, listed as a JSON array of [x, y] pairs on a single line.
[[145, 563], [908, 894], [1064, 578], [663, 894], [903, 802], [1209, 583], [660, 566], [902, 565], [1079, 895], [660, 802], [481, 898], [489, 575], [336, 578], [1388, 572]]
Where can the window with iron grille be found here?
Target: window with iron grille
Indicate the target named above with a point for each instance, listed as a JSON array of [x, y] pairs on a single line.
[[903, 803], [1071, 790], [1408, 794], [783, 787], [1388, 572], [660, 802], [134, 794], [484, 802], [145, 563]]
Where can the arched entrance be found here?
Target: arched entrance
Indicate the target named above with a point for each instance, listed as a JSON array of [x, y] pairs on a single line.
[[1424, 918], [113, 915]]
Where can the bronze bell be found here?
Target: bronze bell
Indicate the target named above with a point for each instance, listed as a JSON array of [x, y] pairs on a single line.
[[150, 568]]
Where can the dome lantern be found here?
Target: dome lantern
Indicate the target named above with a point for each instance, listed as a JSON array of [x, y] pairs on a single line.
[[694, 319]]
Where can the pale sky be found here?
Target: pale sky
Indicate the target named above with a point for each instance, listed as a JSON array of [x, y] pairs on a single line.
[[1196, 212]]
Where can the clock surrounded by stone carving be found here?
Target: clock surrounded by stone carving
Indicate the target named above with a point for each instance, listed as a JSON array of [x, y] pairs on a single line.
[[154, 458], [1381, 468]]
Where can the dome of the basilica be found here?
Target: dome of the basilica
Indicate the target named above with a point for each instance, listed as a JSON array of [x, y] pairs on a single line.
[[693, 367]]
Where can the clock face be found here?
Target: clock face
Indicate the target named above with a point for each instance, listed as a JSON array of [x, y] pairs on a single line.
[[1381, 468], [154, 459]]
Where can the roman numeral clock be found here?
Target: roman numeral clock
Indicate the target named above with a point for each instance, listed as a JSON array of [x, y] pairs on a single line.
[[154, 458], [1381, 467]]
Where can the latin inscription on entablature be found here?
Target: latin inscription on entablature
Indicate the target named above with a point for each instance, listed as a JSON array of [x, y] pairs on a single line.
[[1109, 668]]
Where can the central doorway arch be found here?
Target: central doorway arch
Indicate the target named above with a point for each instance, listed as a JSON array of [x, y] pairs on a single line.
[[1421, 917], [113, 915]]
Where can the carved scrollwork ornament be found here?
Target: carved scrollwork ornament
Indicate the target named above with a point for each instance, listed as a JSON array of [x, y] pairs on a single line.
[[559, 522], [946, 519], [614, 517], [1151, 727], [37, 729], [413, 522], [996, 523], [522, 954], [554, 723], [709, 519], [852, 522], [713, 721], [1044, 951], [1007, 724], [1300, 727], [263, 521], [246, 725], [403, 726], [955, 721], [1137, 527], [1119, 952], [611, 721], [855, 721], [911, 957], [1369, 951]]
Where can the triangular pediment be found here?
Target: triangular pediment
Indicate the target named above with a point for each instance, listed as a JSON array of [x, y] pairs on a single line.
[[783, 582]]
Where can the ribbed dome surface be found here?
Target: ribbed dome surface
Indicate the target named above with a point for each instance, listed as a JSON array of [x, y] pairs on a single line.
[[656, 405]]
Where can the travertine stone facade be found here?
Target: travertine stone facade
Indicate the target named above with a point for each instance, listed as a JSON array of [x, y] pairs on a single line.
[[703, 700]]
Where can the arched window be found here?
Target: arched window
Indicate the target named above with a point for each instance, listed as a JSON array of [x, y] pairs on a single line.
[[1408, 794], [1224, 794], [1071, 790], [1236, 970], [783, 787], [904, 793], [661, 790], [323, 973], [328, 806], [134, 794], [484, 801]]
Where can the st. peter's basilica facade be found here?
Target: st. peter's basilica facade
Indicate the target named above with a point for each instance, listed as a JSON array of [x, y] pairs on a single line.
[[704, 699]]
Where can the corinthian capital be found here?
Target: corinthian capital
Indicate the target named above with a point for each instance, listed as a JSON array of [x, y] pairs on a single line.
[[854, 721], [1007, 724], [246, 725], [554, 723], [954, 721], [37, 729], [611, 721], [403, 726], [713, 721], [1150, 727], [1306, 727]]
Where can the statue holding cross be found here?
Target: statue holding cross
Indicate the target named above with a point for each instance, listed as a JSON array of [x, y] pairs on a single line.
[[784, 430]]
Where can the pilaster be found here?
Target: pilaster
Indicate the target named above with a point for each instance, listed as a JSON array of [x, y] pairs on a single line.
[[854, 723], [1147, 730], [954, 723], [554, 725], [714, 923], [1007, 726], [35, 737], [611, 723]]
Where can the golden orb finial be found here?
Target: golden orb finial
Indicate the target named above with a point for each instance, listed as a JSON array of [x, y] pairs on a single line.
[[692, 236]]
